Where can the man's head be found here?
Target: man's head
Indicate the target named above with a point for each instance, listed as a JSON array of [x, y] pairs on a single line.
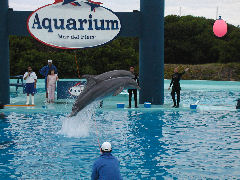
[[176, 70], [106, 147], [49, 62], [132, 69], [29, 69]]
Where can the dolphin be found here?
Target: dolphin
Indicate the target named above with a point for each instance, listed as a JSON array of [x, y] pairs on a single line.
[[92, 80], [103, 89]]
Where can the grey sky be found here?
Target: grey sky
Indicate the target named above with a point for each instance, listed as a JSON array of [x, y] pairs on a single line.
[[228, 9]]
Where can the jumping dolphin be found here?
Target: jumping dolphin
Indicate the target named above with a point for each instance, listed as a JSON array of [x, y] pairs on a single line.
[[103, 89], [92, 80]]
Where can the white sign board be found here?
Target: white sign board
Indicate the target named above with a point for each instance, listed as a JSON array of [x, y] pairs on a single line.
[[78, 24]]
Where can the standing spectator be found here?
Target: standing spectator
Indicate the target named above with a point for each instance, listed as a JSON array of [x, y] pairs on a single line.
[[2, 115], [45, 70], [51, 85], [1, 105], [238, 104], [134, 91], [175, 83], [31, 80]]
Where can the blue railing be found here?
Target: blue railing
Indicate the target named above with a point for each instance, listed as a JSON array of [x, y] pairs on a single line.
[[19, 82]]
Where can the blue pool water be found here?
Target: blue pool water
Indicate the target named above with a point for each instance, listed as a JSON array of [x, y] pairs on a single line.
[[159, 143]]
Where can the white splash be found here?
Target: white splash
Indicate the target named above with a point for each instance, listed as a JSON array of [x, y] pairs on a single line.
[[79, 125]]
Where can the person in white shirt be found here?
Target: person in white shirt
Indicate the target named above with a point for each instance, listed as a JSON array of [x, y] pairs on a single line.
[[31, 81]]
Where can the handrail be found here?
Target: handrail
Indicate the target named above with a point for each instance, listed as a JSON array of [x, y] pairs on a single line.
[[18, 76], [18, 84]]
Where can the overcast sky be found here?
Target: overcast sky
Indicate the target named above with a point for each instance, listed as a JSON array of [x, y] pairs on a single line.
[[228, 9]]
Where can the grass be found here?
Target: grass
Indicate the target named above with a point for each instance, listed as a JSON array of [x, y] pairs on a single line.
[[214, 71]]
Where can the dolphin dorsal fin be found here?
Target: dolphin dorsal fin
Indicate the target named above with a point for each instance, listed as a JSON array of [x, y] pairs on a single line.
[[118, 91], [87, 76], [91, 80]]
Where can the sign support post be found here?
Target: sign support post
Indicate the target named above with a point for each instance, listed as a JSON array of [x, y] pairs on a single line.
[[4, 54], [151, 63]]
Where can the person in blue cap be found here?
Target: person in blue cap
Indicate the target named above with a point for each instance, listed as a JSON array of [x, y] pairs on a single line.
[[106, 167], [45, 70]]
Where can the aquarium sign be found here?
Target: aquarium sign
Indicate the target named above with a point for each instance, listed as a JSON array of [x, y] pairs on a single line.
[[70, 24]]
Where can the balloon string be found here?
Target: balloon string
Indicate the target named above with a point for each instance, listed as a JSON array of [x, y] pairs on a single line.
[[219, 8], [77, 65]]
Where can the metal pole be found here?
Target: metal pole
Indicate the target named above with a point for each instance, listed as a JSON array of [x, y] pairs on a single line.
[[4, 53], [151, 63]]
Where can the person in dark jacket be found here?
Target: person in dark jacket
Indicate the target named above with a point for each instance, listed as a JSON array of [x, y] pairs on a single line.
[[106, 166], [2, 115], [238, 104], [1, 105], [133, 91], [175, 83], [44, 72]]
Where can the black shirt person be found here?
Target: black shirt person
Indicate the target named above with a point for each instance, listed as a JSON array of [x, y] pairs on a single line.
[[238, 104], [175, 83], [2, 115], [134, 91], [1, 105]]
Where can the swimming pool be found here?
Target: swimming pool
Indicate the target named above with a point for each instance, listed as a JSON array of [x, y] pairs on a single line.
[[158, 143]]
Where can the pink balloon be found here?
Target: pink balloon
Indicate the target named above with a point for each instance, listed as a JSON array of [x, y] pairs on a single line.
[[220, 28]]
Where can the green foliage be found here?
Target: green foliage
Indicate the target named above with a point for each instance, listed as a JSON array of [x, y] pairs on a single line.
[[188, 40], [213, 71]]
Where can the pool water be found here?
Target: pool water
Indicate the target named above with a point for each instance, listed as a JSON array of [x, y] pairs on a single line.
[[159, 143]]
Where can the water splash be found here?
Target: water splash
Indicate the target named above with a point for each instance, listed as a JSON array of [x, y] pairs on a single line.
[[79, 125]]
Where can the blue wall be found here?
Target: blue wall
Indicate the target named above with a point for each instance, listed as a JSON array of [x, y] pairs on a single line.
[[4, 53], [151, 63]]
